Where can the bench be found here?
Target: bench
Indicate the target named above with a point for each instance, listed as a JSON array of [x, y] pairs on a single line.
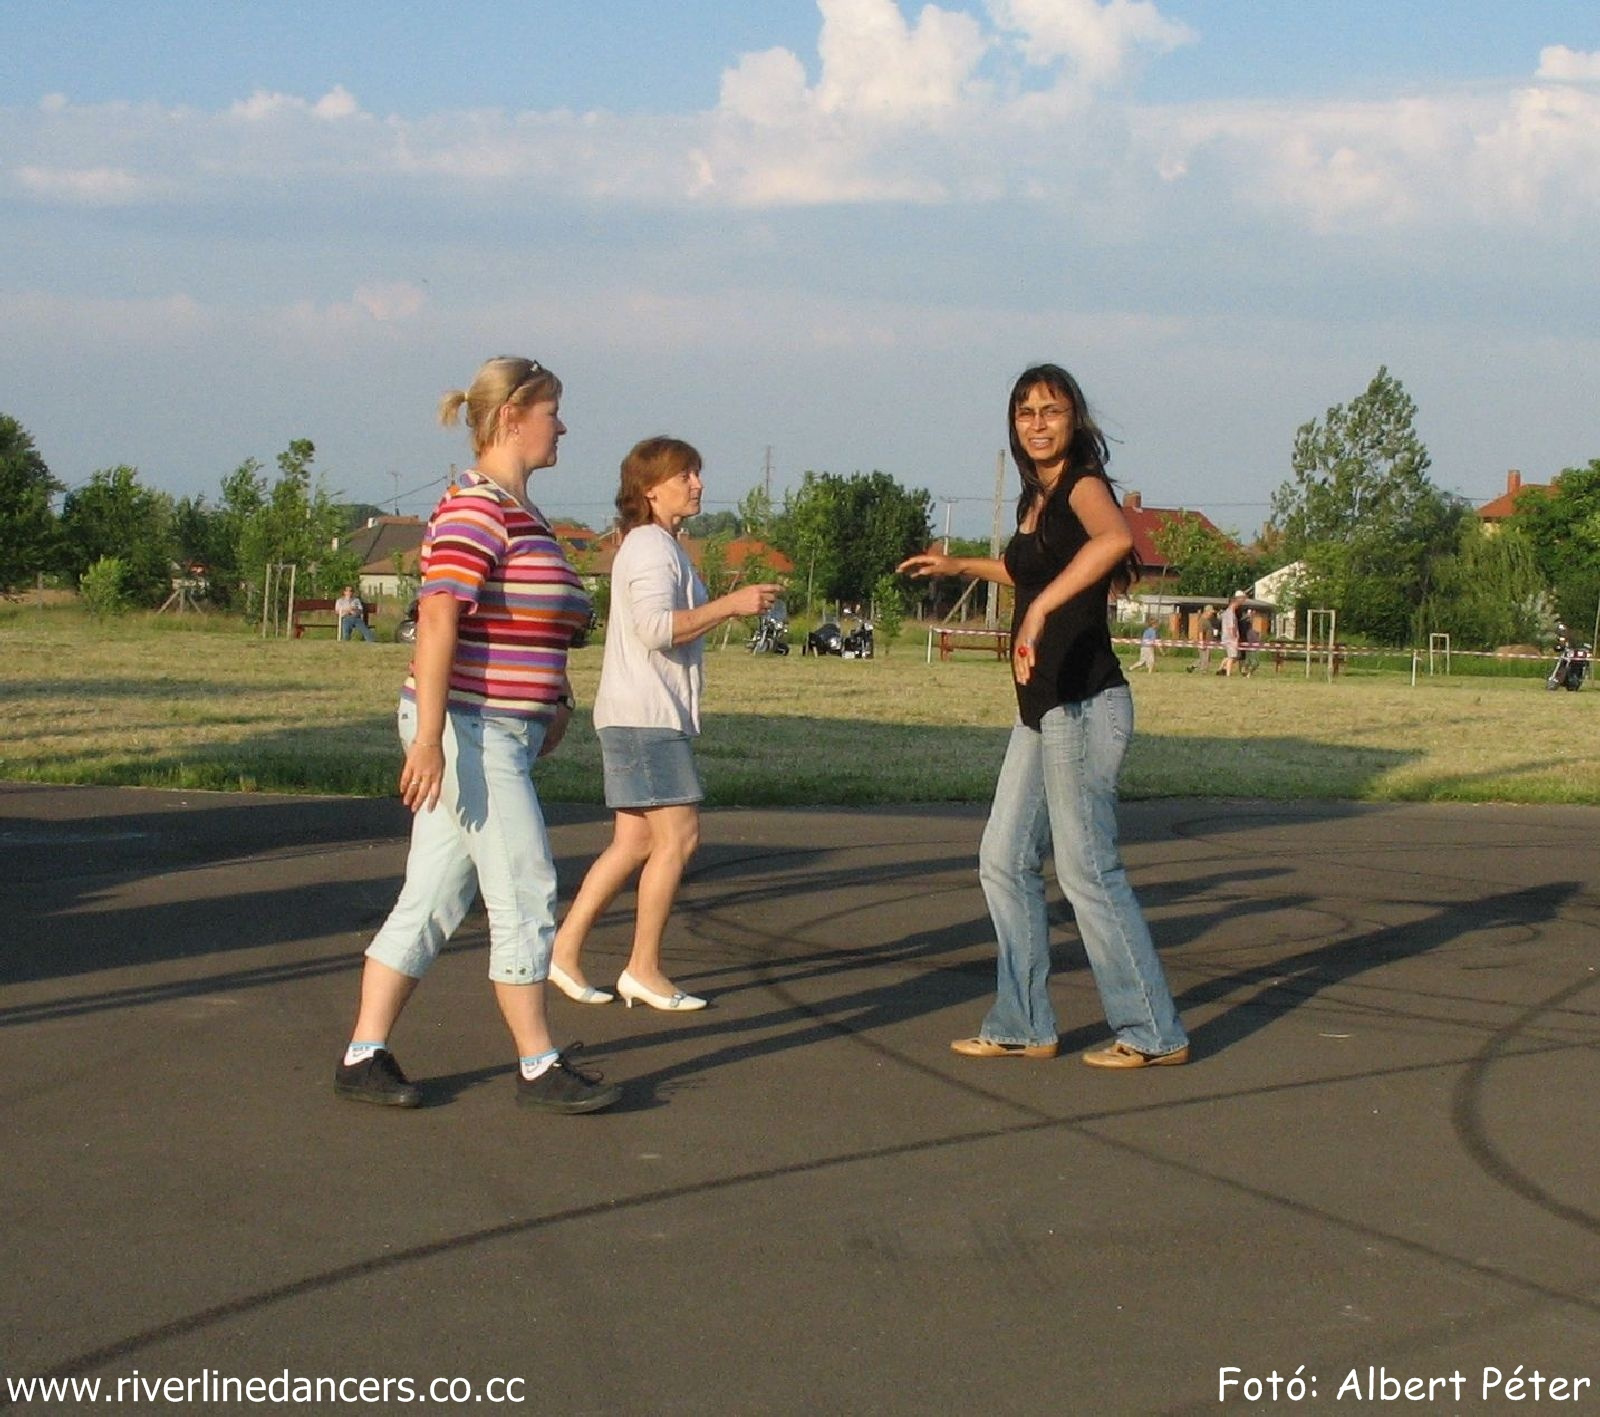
[[997, 641], [1296, 653], [319, 615]]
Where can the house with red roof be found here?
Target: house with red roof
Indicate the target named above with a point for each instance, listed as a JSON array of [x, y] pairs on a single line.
[[738, 552], [1492, 513], [1145, 523]]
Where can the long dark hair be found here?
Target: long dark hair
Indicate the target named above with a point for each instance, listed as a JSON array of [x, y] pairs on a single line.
[[1086, 447]]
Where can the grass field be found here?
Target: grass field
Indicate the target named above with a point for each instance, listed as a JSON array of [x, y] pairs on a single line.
[[198, 703]]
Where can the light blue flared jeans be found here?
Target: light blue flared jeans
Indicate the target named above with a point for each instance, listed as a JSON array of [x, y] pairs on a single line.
[[1058, 788], [485, 834]]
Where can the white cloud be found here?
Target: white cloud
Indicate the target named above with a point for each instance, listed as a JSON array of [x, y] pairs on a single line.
[[139, 322], [1540, 162], [375, 311], [945, 107], [397, 300], [86, 186], [1558, 62], [863, 132], [875, 64], [1480, 159], [1097, 40], [768, 88], [337, 103]]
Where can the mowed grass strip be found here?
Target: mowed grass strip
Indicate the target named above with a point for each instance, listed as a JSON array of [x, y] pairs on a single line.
[[199, 703]]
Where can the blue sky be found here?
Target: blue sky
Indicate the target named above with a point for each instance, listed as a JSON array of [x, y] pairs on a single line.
[[836, 229]]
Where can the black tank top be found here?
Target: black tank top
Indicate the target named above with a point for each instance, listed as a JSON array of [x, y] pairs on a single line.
[[1073, 659]]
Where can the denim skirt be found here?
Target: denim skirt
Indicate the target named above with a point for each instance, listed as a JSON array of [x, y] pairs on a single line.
[[649, 767]]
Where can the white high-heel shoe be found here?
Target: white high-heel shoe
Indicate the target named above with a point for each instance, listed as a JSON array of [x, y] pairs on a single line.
[[578, 993], [632, 990]]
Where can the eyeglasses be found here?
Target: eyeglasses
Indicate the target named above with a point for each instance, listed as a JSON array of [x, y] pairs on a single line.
[[1050, 413]]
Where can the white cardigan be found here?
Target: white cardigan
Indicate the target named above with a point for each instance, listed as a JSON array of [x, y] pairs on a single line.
[[646, 682]]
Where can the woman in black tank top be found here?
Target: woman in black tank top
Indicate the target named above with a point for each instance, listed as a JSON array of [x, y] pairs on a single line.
[[1057, 791]]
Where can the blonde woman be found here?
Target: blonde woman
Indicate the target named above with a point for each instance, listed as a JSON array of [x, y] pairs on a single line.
[[487, 694], [647, 714]]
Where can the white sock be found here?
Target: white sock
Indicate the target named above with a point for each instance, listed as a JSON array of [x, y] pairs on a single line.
[[537, 1065], [359, 1052]]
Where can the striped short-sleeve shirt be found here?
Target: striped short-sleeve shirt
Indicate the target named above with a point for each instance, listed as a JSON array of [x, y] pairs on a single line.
[[523, 602]]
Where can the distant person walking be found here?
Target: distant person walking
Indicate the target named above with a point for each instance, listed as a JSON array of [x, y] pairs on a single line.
[[1058, 784], [647, 714], [352, 615], [1205, 631], [1232, 640], [1147, 646], [487, 694]]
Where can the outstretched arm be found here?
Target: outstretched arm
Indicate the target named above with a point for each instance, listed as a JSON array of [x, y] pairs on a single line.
[[747, 600], [929, 564]]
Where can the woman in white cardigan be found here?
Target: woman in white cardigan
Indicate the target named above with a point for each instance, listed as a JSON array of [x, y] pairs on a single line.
[[647, 714]]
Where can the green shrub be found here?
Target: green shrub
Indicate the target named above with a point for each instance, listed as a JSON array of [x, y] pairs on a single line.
[[104, 587]]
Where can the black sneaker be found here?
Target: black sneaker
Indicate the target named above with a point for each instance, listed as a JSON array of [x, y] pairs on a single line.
[[376, 1078], [562, 1088]]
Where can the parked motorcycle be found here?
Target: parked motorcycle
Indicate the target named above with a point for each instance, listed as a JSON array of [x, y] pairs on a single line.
[[406, 631], [772, 633], [858, 643], [1573, 662]]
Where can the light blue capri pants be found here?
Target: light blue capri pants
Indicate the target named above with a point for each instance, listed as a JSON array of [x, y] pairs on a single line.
[[487, 834]]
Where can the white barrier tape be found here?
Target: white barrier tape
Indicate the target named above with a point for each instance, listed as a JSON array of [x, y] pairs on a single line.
[[1323, 651], [1285, 647]]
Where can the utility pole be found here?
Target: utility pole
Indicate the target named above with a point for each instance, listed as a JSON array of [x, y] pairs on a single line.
[[396, 476], [767, 468], [949, 507], [991, 614]]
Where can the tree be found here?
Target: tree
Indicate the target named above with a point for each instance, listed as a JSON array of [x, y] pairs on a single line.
[[714, 568], [1563, 528], [27, 523], [709, 524], [1362, 513], [842, 533], [102, 589], [1489, 592], [244, 492], [115, 517], [1207, 562], [292, 522], [757, 514], [889, 608]]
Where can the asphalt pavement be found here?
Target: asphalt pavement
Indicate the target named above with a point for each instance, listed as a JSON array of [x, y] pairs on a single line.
[[1378, 1169]]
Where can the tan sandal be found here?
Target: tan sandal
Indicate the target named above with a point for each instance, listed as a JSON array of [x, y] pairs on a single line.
[[984, 1048], [1121, 1055]]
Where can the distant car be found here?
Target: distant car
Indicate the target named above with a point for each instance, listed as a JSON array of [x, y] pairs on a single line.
[[825, 639]]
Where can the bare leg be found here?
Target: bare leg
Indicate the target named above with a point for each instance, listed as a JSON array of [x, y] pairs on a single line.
[[674, 835], [522, 1007], [613, 868], [384, 992]]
